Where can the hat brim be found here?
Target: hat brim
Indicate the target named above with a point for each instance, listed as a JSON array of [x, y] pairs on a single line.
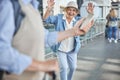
[[71, 7]]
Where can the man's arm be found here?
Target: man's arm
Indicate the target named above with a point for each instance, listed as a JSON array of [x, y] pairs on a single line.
[[45, 66], [54, 37], [75, 31], [11, 59]]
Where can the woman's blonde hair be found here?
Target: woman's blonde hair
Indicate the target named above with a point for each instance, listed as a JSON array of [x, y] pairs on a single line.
[[113, 13]]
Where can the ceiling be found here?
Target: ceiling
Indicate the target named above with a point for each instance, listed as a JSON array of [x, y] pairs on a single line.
[[115, 0]]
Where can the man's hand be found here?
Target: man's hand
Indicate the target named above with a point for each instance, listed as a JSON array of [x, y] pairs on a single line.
[[52, 65], [78, 23], [88, 26], [76, 27], [79, 31], [44, 66]]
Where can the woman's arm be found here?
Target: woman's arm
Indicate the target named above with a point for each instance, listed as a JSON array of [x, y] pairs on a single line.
[[51, 38], [49, 8]]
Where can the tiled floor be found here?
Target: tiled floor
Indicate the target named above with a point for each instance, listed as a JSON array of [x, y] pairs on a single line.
[[99, 60]]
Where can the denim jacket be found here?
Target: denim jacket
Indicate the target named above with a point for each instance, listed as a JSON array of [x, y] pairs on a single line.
[[113, 21], [60, 23]]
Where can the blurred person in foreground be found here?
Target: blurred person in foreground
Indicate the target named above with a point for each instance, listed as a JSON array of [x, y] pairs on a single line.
[[23, 53]]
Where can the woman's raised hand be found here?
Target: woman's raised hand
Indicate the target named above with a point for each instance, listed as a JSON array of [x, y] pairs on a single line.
[[50, 3], [90, 8]]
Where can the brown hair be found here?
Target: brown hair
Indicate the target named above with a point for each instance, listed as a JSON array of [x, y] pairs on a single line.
[[113, 13]]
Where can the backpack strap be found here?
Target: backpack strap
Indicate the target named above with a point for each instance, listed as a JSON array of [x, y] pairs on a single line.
[[18, 14]]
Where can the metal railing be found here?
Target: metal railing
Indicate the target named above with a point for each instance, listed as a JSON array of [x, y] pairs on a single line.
[[97, 29]]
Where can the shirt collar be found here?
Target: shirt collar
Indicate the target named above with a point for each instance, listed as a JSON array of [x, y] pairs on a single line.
[[73, 20], [35, 3], [64, 17]]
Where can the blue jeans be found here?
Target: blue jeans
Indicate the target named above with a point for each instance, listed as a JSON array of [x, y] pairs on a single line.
[[67, 61], [106, 32], [112, 31]]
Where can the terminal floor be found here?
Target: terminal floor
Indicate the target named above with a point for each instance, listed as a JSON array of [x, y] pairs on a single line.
[[98, 60]]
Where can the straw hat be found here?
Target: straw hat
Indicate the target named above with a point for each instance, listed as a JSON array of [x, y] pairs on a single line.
[[73, 5]]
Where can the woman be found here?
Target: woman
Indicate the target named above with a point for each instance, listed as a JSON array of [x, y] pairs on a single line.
[[68, 48], [112, 29]]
